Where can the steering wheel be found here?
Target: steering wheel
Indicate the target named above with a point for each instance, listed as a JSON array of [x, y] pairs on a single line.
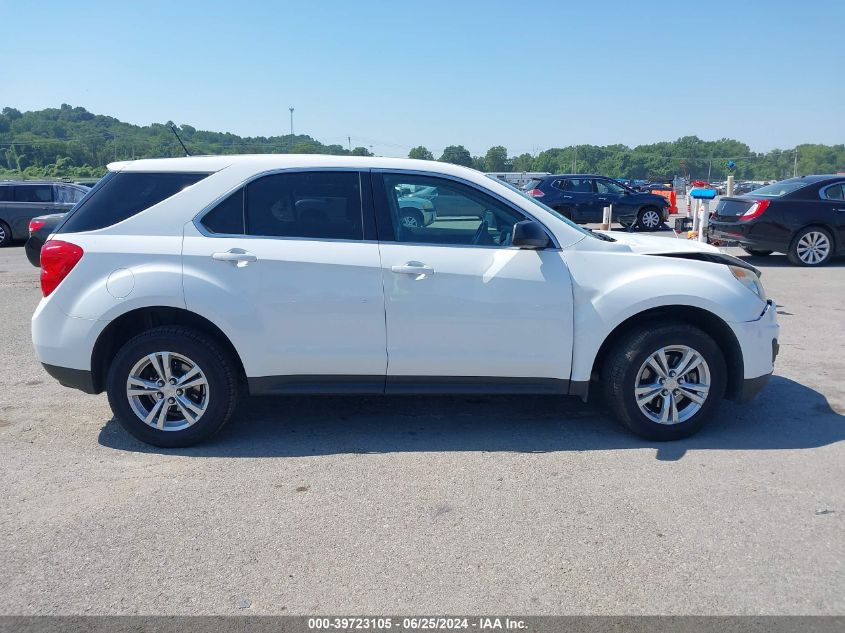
[[480, 233]]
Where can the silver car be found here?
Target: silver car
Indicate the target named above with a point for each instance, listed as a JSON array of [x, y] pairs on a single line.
[[20, 201]]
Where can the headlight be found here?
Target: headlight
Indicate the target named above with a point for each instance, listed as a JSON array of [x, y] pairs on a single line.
[[748, 279]]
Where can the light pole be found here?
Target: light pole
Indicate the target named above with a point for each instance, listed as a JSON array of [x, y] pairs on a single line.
[[291, 120]]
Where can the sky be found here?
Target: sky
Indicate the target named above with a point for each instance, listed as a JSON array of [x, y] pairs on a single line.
[[395, 74]]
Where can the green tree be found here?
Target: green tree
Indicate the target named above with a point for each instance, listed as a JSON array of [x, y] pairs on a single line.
[[496, 159], [421, 153], [361, 151], [457, 155]]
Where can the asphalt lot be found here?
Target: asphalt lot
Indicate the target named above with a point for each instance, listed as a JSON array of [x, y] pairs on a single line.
[[408, 505]]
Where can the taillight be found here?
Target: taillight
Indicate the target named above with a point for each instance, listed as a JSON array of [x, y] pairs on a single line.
[[535, 193], [57, 260], [755, 210], [34, 225]]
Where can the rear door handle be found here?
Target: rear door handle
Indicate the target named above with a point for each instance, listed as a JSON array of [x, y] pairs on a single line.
[[568, 197], [237, 256], [413, 268]]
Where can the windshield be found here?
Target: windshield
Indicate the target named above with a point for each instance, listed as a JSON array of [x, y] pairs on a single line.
[[778, 189], [545, 208]]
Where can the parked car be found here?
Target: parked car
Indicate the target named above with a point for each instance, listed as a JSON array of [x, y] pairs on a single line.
[[415, 210], [742, 188], [20, 201], [803, 217], [582, 198], [180, 283], [40, 229]]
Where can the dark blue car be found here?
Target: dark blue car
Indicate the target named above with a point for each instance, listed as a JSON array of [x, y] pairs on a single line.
[[581, 198]]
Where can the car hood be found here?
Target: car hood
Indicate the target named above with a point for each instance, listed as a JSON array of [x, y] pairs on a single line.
[[651, 245]]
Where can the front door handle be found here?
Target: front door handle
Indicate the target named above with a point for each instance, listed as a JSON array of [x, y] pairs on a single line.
[[414, 268], [567, 197], [238, 256]]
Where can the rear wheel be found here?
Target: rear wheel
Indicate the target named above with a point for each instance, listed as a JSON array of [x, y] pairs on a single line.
[[5, 234], [648, 219], [172, 387], [755, 252], [664, 381], [812, 246]]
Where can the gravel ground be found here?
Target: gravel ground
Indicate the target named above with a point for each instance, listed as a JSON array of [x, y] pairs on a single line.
[[408, 505]]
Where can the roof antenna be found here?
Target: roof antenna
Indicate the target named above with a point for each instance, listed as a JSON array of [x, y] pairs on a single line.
[[176, 134]]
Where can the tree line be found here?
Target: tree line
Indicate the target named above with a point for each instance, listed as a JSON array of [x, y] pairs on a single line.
[[70, 142]]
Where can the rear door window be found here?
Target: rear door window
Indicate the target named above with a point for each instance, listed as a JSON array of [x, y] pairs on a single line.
[[7, 193], [318, 204], [578, 185], [121, 195], [34, 193]]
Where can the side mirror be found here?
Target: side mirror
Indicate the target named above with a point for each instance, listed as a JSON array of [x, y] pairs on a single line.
[[529, 234]]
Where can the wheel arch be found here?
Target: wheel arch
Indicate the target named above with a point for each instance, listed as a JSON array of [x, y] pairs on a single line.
[[131, 323], [713, 325]]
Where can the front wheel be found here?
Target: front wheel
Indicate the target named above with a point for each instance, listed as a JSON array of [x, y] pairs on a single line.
[[648, 219], [172, 386], [664, 381], [411, 218]]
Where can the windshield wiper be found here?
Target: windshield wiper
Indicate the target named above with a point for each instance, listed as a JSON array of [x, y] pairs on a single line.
[[601, 236]]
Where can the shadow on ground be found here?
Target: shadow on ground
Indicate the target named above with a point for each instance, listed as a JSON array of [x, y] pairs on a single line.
[[786, 415]]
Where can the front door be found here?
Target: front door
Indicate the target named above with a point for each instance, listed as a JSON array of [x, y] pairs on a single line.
[[465, 310], [282, 267]]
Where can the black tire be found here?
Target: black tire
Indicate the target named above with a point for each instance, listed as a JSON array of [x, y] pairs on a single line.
[[624, 361], [215, 363], [756, 252], [5, 234], [407, 218], [795, 253], [645, 220]]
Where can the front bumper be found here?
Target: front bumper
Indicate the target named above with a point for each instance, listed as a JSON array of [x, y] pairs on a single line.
[[81, 379], [758, 341]]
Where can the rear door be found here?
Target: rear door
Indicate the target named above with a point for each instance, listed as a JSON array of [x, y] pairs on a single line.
[[833, 197], [465, 310], [30, 200], [578, 195], [288, 267]]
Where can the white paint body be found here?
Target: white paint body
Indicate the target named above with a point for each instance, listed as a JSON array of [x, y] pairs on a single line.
[[336, 307]]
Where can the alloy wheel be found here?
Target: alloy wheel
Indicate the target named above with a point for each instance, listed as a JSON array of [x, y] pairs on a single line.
[[409, 221], [813, 247], [672, 384], [651, 219], [167, 391]]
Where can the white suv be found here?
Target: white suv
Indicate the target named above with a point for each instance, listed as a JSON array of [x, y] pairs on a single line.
[[178, 284]]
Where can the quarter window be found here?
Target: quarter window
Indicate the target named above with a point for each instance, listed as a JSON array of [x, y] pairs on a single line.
[[118, 196], [430, 210], [319, 204], [7, 193]]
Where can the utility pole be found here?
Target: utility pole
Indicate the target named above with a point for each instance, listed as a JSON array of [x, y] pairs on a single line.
[[709, 167], [349, 141], [795, 164], [575, 161], [291, 120]]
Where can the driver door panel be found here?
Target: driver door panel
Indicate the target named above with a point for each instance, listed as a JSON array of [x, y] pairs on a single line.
[[462, 307]]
